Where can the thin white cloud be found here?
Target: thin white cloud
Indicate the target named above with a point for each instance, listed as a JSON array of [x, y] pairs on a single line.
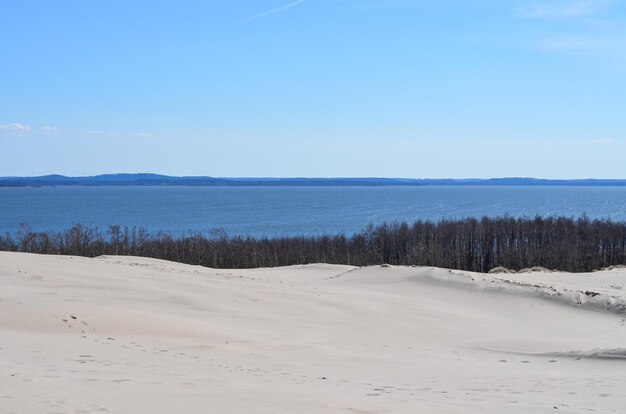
[[568, 43], [585, 35], [15, 127], [563, 8], [606, 45], [97, 132], [143, 134], [274, 11], [600, 141], [49, 129]]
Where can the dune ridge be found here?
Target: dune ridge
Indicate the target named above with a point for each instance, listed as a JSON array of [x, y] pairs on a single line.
[[129, 334], [611, 300]]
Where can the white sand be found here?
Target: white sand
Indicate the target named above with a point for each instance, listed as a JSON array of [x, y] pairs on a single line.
[[133, 335]]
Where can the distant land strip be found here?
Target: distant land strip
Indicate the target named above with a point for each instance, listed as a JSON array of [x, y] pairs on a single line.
[[191, 181]]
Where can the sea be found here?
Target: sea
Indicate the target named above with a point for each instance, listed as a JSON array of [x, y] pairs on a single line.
[[290, 211]]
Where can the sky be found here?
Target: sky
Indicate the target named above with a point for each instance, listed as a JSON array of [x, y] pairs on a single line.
[[314, 88]]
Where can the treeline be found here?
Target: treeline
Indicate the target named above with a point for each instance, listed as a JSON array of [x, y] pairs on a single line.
[[575, 245]]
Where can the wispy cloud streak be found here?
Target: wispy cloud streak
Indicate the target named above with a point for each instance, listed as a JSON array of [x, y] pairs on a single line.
[[586, 28], [143, 134], [273, 11], [97, 132], [600, 141], [563, 9], [15, 128]]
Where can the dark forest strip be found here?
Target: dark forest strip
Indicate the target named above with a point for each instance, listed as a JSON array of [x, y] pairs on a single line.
[[574, 245]]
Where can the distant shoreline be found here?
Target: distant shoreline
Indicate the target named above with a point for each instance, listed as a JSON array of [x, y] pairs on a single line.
[[156, 180]]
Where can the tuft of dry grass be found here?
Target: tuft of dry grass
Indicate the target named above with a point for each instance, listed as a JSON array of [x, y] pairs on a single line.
[[501, 269], [613, 267], [535, 269]]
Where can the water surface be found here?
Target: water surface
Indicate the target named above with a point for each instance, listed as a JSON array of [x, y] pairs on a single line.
[[271, 211]]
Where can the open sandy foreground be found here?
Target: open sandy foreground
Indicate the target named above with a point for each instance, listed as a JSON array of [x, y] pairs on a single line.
[[136, 335]]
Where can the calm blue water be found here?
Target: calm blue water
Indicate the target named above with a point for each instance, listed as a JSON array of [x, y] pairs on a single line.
[[270, 211]]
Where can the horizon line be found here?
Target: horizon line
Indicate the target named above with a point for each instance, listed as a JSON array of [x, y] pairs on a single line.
[[303, 177]]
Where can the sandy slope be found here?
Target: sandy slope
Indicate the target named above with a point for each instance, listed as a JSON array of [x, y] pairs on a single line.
[[133, 335]]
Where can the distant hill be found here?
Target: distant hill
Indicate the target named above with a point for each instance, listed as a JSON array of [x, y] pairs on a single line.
[[165, 180]]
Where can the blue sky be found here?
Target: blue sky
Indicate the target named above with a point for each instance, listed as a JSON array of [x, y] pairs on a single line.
[[387, 88]]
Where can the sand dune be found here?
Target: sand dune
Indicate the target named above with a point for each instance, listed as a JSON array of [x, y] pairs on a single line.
[[131, 335]]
